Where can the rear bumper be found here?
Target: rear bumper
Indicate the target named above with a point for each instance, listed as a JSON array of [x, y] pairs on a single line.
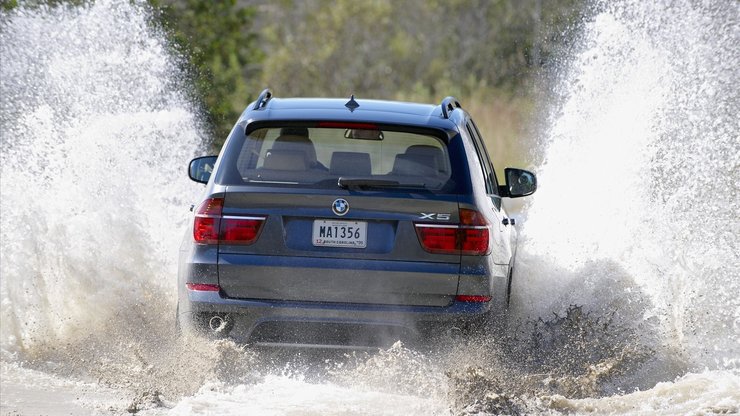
[[259, 322], [339, 279]]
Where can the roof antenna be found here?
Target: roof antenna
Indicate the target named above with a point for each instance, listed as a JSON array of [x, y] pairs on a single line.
[[352, 104]]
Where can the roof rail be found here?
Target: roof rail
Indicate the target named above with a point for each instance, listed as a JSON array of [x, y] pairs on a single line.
[[262, 100], [448, 105]]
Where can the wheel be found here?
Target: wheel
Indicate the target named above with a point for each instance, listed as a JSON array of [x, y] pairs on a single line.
[[178, 326], [508, 286]]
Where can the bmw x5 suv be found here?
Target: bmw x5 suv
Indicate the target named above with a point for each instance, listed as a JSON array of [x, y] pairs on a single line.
[[348, 223]]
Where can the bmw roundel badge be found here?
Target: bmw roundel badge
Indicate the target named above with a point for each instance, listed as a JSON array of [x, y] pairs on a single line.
[[340, 206]]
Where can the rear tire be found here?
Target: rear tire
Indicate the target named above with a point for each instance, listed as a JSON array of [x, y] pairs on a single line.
[[178, 325], [508, 286]]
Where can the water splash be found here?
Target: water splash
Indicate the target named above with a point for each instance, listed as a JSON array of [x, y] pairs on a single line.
[[639, 204], [636, 220], [96, 131]]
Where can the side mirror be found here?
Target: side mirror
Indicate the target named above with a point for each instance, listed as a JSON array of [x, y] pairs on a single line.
[[201, 168], [519, 183]]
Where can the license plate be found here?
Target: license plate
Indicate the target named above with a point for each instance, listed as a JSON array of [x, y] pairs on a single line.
[[331, 233]]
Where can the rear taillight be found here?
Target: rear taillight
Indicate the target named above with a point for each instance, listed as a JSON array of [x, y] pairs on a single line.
[[211, 227], [202, 287], [472, 298], [438, 238], [474, 232], [241, 230], [470, 237], [208, 221]]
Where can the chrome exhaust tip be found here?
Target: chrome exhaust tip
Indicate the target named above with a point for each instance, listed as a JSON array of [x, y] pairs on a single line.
[[218, 324], [455, 333]]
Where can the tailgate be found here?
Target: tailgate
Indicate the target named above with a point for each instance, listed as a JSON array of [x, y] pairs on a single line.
[[370, 254]]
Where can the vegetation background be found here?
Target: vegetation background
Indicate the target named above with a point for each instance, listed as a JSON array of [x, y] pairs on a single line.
[[493, 55]]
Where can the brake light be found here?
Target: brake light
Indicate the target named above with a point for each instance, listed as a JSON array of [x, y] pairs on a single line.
[[474, 232], [438, 239], [472, 298], [202, 287], [208, 221], [470, 237], [211, 227], [471, 217], [342, 125], [241, 230]]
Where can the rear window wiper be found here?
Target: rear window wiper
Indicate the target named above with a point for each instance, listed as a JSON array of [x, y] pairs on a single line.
[[374, 183]]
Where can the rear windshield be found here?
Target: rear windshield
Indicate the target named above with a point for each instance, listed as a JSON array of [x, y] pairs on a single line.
[[347, 157]]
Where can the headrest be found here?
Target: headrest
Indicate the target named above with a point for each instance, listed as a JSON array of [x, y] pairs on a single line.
[[425, 150], [350, 163], [294, 131], [296, 143], [414, 165], [285, 160]]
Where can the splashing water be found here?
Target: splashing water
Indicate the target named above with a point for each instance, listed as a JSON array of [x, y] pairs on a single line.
[[639, 192], [636, 221], [95, 134]]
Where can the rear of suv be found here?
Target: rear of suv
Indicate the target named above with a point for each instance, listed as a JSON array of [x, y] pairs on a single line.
[[346, 224]]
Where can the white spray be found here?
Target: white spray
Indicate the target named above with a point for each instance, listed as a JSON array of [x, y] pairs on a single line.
[[638, 212], [96, 135]]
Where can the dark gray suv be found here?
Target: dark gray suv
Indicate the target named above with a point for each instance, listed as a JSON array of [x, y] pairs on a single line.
[[348, 223]]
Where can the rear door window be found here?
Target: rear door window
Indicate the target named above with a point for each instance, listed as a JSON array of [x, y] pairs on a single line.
[[319, 156], [486, 166]]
